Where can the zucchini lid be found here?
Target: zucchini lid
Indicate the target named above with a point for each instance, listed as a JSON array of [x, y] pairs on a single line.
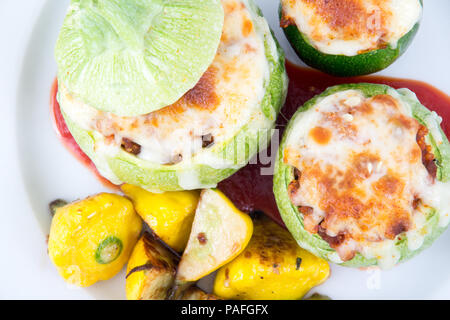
[[132, 57], [346, 66], [284, 174], [196, 173]]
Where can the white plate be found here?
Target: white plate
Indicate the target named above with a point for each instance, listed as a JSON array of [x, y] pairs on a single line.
[[36, 168]]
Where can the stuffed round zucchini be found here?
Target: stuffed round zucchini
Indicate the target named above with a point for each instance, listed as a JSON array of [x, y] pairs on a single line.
[[132, 57], [363, 176], [206, 135], [350, 37]]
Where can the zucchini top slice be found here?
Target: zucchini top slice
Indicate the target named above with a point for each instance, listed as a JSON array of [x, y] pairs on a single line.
[[132, 57], [362, 175]]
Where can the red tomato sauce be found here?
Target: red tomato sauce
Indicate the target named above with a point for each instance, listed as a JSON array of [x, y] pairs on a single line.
[[67, 139], [247, 188]]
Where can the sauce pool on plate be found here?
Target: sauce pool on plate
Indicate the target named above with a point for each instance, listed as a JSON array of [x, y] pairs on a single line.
[[248, 188]]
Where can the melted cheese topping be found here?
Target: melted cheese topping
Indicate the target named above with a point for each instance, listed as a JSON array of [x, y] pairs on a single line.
[[361, 181], [226, 98], [351, 27]]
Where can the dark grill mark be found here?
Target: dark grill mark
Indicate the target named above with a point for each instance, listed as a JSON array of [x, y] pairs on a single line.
[[144, 267], [131, 146], [55, 204], [298, 263]]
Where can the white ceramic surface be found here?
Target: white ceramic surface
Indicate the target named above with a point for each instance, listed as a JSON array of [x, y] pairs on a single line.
[[36, 168]]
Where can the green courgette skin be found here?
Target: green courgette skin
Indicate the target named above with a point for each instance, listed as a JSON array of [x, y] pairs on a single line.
[[346, 66], [284, 174]]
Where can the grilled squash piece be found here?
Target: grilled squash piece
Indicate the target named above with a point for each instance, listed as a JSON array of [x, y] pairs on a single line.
[[272, 267]]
